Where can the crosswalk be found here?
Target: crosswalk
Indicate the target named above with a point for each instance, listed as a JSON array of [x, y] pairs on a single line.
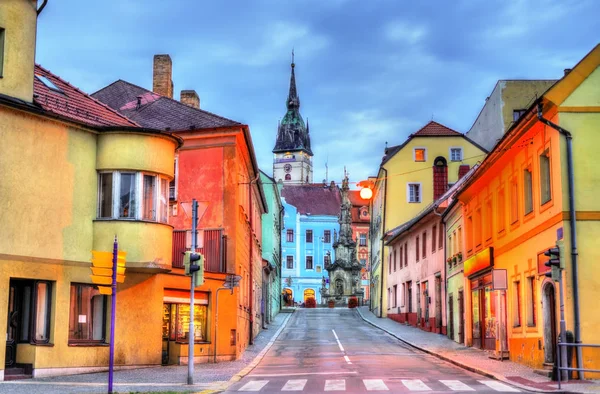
[[406, 385]]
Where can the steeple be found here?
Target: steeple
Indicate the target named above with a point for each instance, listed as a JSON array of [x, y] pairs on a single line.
[[292, 133]]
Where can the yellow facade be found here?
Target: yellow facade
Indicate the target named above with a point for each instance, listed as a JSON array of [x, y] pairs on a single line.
[[16, 75], [498, 214]]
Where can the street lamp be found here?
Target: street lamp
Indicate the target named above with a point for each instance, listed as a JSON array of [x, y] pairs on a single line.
[[366, 191]]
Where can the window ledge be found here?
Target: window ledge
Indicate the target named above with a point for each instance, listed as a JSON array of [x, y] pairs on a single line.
[[195, 342], [41, 344], [89, 344], [131, 221]]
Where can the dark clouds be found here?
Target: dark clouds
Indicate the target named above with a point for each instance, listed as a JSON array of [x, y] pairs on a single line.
[[367, 71]]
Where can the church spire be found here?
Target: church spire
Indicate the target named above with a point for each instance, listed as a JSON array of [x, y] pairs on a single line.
[[293, 101]]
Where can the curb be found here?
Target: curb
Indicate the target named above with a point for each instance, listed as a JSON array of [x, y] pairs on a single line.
[[483, 372], [238, 376]]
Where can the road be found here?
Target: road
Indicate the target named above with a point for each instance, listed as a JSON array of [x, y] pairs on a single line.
[[334, 350]]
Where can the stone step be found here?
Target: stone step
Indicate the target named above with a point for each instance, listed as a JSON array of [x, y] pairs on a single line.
[[16, 377], [14, 371], [543, 372]]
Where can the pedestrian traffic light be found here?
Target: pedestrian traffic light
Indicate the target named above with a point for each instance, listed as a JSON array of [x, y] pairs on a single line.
[[556, 261], [194, 265]]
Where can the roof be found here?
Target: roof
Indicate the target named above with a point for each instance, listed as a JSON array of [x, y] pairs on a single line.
[[313, 199], [156, 111], [431, 129], [71, 103], [394, 233]]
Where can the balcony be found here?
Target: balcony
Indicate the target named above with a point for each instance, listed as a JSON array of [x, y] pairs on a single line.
[[214, 250]]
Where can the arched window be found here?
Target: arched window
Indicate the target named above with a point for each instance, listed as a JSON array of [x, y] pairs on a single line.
[[288, 177]]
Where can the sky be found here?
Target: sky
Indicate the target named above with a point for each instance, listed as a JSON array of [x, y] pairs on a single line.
[[368, 72]]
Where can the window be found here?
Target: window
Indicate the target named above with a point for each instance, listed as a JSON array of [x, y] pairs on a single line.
[[289, 262], [414, 192], [87, 319], [309, 237], [326, 260], [395, 295], [48, 83], [424, 244], [289, 235], [531, 321], [517, 304], [441, 237], [173, 182], [401, 257], [459, 241], [406, 254], [470, 238], [433, 238], [362, 239], [501, 210], [390, 263], [489, 214], [327, 236], [403, 294], [395, 258], [309, 262], [420, 154], [545, 190], [176, 324], [41, 309], [389, 301], [32, 301], [288, 177], [450, 251], [456, 154], [517, 114], [1, 50], [477, 228], [118, 196], [527, 191], [417, 246], [514, 202]]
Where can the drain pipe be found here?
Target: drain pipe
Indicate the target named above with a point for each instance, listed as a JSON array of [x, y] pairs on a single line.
[[383, 243], [573, 231]]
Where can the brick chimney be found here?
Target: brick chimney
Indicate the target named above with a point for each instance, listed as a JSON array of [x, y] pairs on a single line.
[[190, 98], [162, 82], [462, 170], [440, 177]]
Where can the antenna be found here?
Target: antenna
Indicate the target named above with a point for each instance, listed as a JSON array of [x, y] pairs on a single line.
[[326, 169]]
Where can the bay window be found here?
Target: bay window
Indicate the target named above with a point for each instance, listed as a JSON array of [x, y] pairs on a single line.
[[133, 195]]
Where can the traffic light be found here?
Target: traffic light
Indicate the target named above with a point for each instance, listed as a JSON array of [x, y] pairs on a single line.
[[194, 265], [556, 261], [102, 270]]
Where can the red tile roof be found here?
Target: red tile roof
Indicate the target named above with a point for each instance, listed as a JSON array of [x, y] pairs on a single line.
[[313, 199], [436, 129], [73, 104]]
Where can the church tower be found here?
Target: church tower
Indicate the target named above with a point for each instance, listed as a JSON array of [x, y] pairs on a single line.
[[292, 161]]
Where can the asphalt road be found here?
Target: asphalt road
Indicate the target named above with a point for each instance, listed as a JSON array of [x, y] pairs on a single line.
[[334, 350]]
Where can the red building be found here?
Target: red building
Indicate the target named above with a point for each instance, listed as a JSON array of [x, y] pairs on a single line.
[[360, 229]]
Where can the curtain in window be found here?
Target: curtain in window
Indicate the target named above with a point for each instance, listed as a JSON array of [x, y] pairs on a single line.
[[164, 200], [106, 191], [127, 196]]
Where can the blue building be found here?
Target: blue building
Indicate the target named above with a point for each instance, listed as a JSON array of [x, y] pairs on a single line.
[[310, 224]]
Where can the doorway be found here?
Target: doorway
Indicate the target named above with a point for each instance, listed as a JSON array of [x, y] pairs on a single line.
[[483, 309], [309, 293], [450, 323], [461, 317], [438, 304], [549, 312]]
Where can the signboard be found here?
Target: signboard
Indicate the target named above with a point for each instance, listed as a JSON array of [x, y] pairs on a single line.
[[499, 280], [479, 262]]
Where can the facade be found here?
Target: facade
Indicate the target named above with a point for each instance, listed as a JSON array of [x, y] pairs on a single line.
[[217, 167], [516, 206], [411, 176], [360, 228], [345, 269], [310, 224], [292, 161], [86, 182], [507, 102], [272, 224]]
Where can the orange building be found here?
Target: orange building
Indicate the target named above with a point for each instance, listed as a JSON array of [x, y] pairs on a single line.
[[217, 167], [516, 206], [360, 228]]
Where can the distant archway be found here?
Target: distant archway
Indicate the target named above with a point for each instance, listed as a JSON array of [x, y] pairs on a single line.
[[309, 293], [288, 297]]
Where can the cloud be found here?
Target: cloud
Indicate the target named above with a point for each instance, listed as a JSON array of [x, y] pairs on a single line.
[[405, 32]]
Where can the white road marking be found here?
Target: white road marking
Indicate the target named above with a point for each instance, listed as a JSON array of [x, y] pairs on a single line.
[[335, 385], [296, 374], [415, 385], [334, 334], [374, 384], [457, 385], [347, 360], [254, 385], [294, 385], [499, 386]]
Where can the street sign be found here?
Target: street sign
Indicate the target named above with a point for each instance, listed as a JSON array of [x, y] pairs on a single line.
[[232, 281]]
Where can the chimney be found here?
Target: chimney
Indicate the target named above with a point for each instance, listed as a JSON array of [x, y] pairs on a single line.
[[162, 82], [190, 98], [567, 70], [462, 170]]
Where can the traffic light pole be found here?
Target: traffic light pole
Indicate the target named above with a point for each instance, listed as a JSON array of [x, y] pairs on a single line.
[[191, 336]]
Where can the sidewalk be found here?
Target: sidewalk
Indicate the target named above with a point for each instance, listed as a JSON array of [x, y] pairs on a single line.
[[473, 359], [208, 378]]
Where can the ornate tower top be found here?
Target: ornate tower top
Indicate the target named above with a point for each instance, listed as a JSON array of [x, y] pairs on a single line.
[[292, 133]]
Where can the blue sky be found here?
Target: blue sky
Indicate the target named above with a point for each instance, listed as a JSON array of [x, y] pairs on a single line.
[[367, 71]]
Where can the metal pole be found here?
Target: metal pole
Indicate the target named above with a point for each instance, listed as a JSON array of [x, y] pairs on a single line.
[[113, 308], [190, 378], [563, 329]]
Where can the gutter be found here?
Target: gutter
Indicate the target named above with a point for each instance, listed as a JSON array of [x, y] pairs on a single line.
[[251, 250], [573, 228], [39, 10], [383, 244]]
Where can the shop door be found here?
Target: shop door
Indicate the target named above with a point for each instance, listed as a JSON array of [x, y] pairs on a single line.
[[476, 318], [489, 316], [13, 325]]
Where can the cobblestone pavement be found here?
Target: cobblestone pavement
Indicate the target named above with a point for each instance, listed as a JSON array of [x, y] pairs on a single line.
[[474, 359], [170, 378]]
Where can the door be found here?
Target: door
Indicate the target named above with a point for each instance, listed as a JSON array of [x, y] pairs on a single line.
[[418, 304], [476, 318], [438, 304], [461, 317], [12, 332], [450, 323], [549, 311], [409, 296]]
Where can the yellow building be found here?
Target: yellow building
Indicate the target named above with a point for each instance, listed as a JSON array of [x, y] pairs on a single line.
[[516, 206], [411, 176], [73, 178]]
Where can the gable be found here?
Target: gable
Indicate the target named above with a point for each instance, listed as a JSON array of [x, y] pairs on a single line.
[[587, 93]]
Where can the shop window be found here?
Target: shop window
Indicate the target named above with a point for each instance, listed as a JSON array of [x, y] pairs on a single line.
[[289, 236], [309, 236], [517, 304], [545, 181], [527, 191], [176, 322], [87, 318], [531, 320]]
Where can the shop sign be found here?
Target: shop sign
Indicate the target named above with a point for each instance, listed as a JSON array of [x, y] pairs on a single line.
[[479, 262], [499, 280]]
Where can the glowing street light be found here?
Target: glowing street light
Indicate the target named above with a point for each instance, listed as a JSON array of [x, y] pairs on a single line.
[[366, 191]]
